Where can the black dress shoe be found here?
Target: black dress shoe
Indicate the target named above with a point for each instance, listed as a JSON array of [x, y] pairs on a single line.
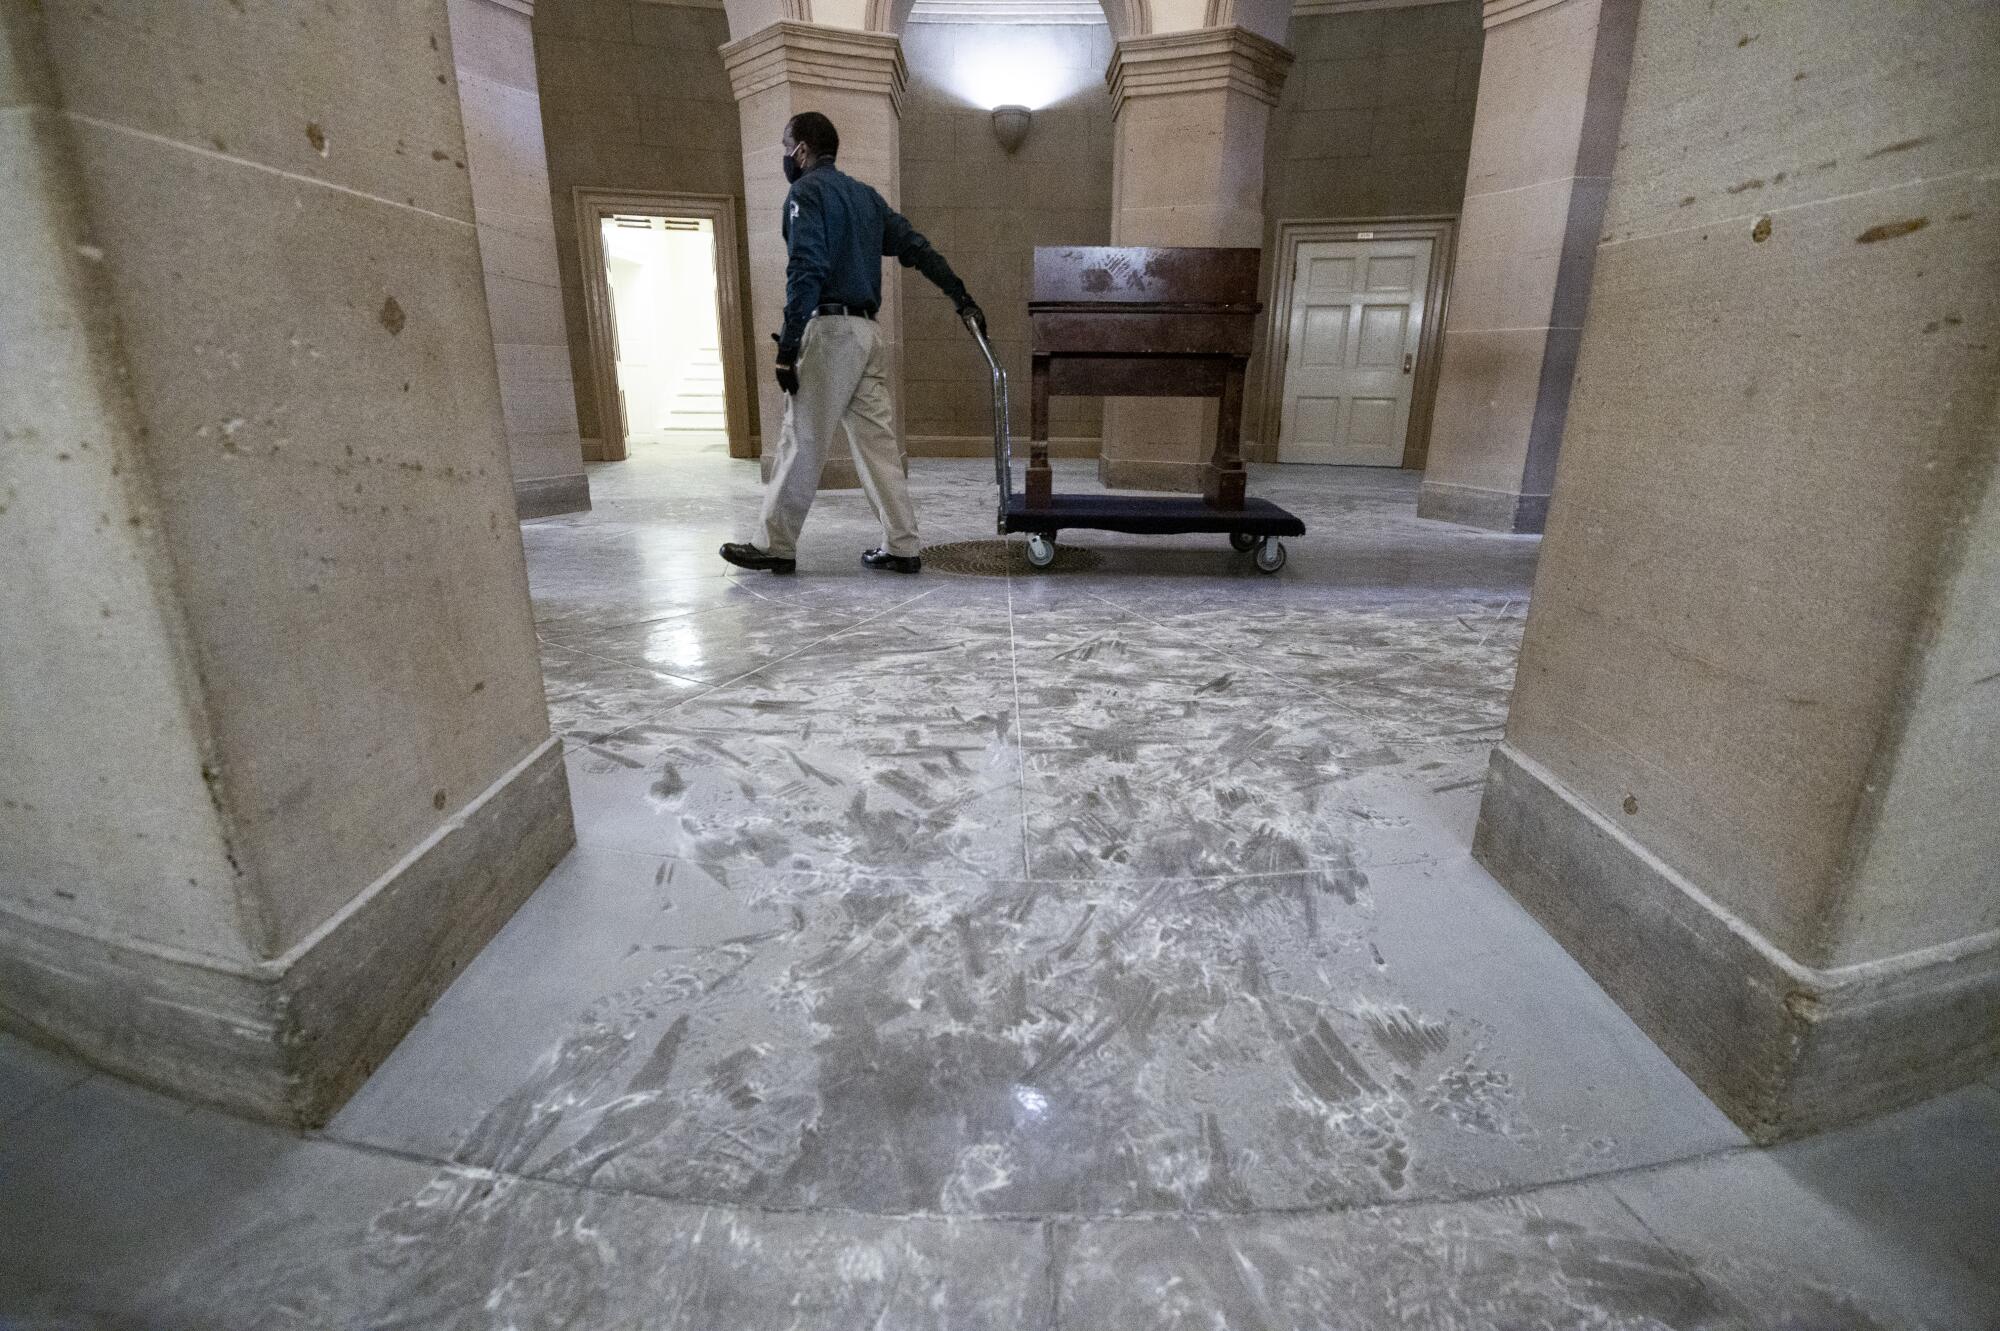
[[894, 563], [744, 555]]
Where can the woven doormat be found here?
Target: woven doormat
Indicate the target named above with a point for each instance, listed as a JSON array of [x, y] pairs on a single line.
[[995, 559]]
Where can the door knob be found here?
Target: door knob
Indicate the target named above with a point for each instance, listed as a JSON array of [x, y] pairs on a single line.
[[1409, 359]]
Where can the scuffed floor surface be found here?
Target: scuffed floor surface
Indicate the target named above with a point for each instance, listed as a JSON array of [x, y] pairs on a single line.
[[1085, 949]]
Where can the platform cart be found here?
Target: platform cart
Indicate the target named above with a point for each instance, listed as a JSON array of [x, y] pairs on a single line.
[[1138, 322]]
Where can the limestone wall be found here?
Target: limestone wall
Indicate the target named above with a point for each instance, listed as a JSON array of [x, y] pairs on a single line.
[[986, 209], [1375, 118], [1374, 121]]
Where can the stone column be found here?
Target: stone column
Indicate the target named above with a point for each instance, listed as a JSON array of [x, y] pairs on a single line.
[[277, 759], [1551, 88], [1749, 773], [856, 79], [494, 51], [1190, 111]]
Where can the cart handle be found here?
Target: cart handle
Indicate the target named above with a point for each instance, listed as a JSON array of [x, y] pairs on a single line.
[[1003, 446]]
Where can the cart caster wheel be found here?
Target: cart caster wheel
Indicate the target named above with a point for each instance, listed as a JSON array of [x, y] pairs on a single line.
[[1270, 555], [1242, 542], [1041, 551]]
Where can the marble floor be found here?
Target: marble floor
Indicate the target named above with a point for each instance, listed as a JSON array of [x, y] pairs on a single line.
[[1090, 948]]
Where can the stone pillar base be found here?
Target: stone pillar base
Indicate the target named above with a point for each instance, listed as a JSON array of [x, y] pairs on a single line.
[[1130, 473], [546, 496], [1784, 1049], [289, 1040], [1494, 510]]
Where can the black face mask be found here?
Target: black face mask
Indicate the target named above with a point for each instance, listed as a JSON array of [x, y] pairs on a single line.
[[792, 169]]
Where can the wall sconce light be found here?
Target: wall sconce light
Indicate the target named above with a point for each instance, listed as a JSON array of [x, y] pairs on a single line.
[[1010, 125]]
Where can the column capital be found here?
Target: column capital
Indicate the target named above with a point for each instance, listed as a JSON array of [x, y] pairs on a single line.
[[1496, 12], [1201, 60], [814, 55]]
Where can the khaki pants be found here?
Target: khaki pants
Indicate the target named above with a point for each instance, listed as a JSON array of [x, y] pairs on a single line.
[[843, 381]]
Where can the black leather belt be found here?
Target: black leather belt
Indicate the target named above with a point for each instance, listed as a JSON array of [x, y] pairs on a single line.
[[858, 311]]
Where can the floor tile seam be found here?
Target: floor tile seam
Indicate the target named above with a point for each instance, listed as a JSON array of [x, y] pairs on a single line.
[[555, 638], [1052, 1264], [1500, 617], [1020, 743], [626, 665], [1601, 1179], [988, 880], [651, 717], [1228, 655], [1684, 1261], [661, 619], [1380, 733], [776, 661], [46, 1098], [648, 719]]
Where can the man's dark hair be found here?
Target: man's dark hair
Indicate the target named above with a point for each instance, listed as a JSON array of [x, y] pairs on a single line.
[[816, 132]]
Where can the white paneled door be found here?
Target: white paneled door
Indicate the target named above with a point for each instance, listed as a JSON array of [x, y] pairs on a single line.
[[1351, 350]]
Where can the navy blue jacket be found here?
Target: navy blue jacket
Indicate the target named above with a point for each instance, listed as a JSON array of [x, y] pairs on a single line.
[[837, 231]]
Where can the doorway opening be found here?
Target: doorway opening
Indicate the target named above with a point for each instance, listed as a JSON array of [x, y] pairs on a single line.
[[1357, 308], [661, 286], [666, 334]]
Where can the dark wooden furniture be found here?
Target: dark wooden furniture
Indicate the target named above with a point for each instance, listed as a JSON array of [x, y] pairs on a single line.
[[1132, 321]]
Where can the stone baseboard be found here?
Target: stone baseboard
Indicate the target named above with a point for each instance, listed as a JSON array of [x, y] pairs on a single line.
[[290, 1039], [546, 496], [1493, 510], [837, 474], [981, 446], [1149, 474], [1784, 1049]]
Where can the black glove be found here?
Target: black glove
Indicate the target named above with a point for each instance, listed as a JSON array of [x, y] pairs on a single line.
[[970, 310], [788, 360]]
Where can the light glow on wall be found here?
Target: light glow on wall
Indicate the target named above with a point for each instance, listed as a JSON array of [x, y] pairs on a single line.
[[1017, 66]]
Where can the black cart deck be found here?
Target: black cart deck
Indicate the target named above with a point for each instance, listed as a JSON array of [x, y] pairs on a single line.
[[1147, 515]]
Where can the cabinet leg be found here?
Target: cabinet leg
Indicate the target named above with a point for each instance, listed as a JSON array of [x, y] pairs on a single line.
[[1223, 487], [1222, 479], [1041, 481]]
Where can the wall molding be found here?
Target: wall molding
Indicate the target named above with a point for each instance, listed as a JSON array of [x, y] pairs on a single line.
[[790, 53], [546, 496], [1506, 11], [981, 446], [1476, 506], [1442, 232], [592, 206], [1203, 60]]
